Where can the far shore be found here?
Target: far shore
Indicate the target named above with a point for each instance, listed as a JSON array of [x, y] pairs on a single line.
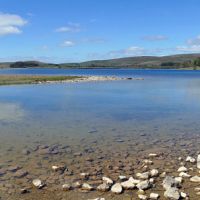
[[33, 79]]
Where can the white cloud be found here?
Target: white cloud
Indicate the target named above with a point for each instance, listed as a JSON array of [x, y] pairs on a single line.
[[155, 37], [194, 41], [68, 43], [71, 27], [10, 24], [189, 48]]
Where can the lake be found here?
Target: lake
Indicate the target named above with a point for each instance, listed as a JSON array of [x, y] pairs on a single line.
[[71, 122]]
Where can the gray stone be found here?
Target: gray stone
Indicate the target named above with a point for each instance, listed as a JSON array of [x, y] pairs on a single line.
[[172, 193]]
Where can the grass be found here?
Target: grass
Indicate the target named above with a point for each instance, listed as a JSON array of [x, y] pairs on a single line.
[[29, 79]]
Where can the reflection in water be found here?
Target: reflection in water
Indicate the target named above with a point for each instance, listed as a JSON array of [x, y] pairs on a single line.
[[11, 112]]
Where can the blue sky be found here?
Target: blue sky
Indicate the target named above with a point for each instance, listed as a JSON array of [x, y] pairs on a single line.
[[79, 30]]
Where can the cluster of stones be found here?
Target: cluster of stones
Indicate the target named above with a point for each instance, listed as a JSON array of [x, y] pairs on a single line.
[[141, 181]]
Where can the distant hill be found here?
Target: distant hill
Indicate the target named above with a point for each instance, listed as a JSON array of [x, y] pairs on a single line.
[[154, 62]]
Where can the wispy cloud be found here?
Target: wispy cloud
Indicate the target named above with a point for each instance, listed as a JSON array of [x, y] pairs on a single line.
[[70, 27], [189, 48], [68, 43], [194, 41], [155, 37], [192, 46], [11, 24]]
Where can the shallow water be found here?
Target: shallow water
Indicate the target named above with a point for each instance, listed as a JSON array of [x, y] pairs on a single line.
[[113, 118]]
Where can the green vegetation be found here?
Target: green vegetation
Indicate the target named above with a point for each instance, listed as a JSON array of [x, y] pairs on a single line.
[[28, 79], [180, 61], [196, 63]]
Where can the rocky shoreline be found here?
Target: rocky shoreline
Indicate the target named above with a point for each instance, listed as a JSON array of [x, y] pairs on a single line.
[[93, 79]]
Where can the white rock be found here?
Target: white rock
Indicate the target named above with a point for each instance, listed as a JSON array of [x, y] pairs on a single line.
[[134, 181], [117, 188], [184, 175], [107, 180], [198, 161], [190, 159], [163, 175], [197, 189], [77, 184], [154, 172], [98, 198], [142, 197], [144, 175], [103, 187], [172, 193], [169, 182], [152, 155], [195, 179], [66, 187], [182, 169], [128, 185], [86, 186], [154, 196], [179, 179], [151, 180], [38, 183], [122, 178], [150, 162], [143, 185], [183, 195]]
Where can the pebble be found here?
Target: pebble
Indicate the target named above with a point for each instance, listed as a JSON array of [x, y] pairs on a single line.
[[152, 155], [184, 175], [122, 178], [142, 197], [38, 183], [172, 193], [117, 188], [134, 181], [154, 173], [107, 180], [128, 185], [66, 187], [144, 175], [154, 196], [143, 185], [87, 187], [190, 159], [198, 161], [182, 169], [195, 179], [169, 182], [103, 187]]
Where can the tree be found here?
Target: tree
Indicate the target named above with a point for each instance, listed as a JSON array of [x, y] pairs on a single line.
[[196, 63]]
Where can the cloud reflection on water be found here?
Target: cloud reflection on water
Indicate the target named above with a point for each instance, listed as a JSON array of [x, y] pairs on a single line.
[[11, 112]]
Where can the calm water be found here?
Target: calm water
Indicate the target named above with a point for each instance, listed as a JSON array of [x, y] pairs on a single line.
[[165, 102], [103, 120]]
